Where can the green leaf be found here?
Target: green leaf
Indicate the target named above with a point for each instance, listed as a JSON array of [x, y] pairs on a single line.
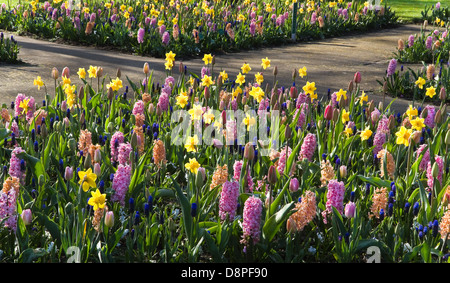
[[185, 208], [375, 181], [29, 255], [274, 223]]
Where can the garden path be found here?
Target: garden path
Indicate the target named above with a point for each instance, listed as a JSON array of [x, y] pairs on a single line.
[[331, 63]]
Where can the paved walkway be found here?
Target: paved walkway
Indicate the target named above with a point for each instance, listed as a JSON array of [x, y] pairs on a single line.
[[331, 63]]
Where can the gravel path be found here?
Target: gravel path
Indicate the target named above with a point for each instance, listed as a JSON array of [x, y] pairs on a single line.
[[331, 63]]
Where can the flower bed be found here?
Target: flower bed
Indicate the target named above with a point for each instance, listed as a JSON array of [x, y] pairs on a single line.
[[9, 50], [191, 28], [172, 171]]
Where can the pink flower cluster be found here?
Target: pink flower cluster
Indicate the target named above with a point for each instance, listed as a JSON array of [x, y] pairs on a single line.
[[116, 140], [335, 197], [138, 107], [228, 200], [425, 158], [303, 108], [252, 220], [124, 153], [308, 147], [429, 120], [440, 162], [14, 165], [283, 159], [237, 167], [121, 182], [8, 208]]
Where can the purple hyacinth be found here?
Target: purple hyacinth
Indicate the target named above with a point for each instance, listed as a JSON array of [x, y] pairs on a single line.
[[140, 35], [391, 68], [165, 38]]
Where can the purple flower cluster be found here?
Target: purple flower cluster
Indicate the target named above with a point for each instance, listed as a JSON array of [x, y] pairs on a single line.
[[121, 182], [252, 220]]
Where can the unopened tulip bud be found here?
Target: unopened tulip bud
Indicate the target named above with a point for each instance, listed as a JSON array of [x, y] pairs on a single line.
[[97, 155], [294, 185], [447, 138], [158, 110], [87, 161], [81, 93], [134, 140], [109, 219], [72, 144], [442, 94], [294, 74], [65, 72], [44, 131], [391, 122], [343, 171], [118, 73], [146, 68], [357, 78], [68, 173], [249, 152], [97, 169], [217, 144], [99, 72], [385, 87], [435, 170], [110, 94], [151, 108], [275, 71], [350, 87], [55, 73], [335, 114], [181, 68], [202, 172], [438, 117], [27, 217], [288, 132], [207, 93], [328, 115], [415, 137], [272, 177], [350, 209], [293, 92]]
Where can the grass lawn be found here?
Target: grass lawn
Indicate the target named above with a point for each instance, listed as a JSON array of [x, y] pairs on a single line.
[[410, 10]]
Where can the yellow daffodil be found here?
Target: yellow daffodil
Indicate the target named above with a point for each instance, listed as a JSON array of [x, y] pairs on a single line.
[[115, 84], [302, 72], [236, 92], [196, 112], [182, 100], [224, 76], [207, 58], [38, 81], [257, 93], [97, 200], [313, 96], [249, 121], [341, 93], [65, 82], [348, 131], [168, 65], [345, 116], [403, 136], [82, 72], [246, 68], [240, 79], [420, 82], [87, 179], [417, 124], [411, 112], [92, 72], [191, 144], [265, 63], [363, 98], [431, 91], [206, 81], [170, 56], [259, 78], [365, 135], [24, 105], [208, 117], [193, 165], [309, 88]]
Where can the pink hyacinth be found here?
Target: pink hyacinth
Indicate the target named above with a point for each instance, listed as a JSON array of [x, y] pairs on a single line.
[[139, 107], [440, 162], [425, 158], [17, 109], [429, 42], [169, 81], [308, 147], [411, 40], [303, 108], [8, 208], [335, 198], [383, 125], [252, 220], [237, 168], [391, 68], [121, 182], [283, 159], [378, 141], [429, 120], [140, 35], [116, 140], [163, 101], [124, 153], [165, 38], [302, 97], [14, 164], [228, 200], [15, 128]]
